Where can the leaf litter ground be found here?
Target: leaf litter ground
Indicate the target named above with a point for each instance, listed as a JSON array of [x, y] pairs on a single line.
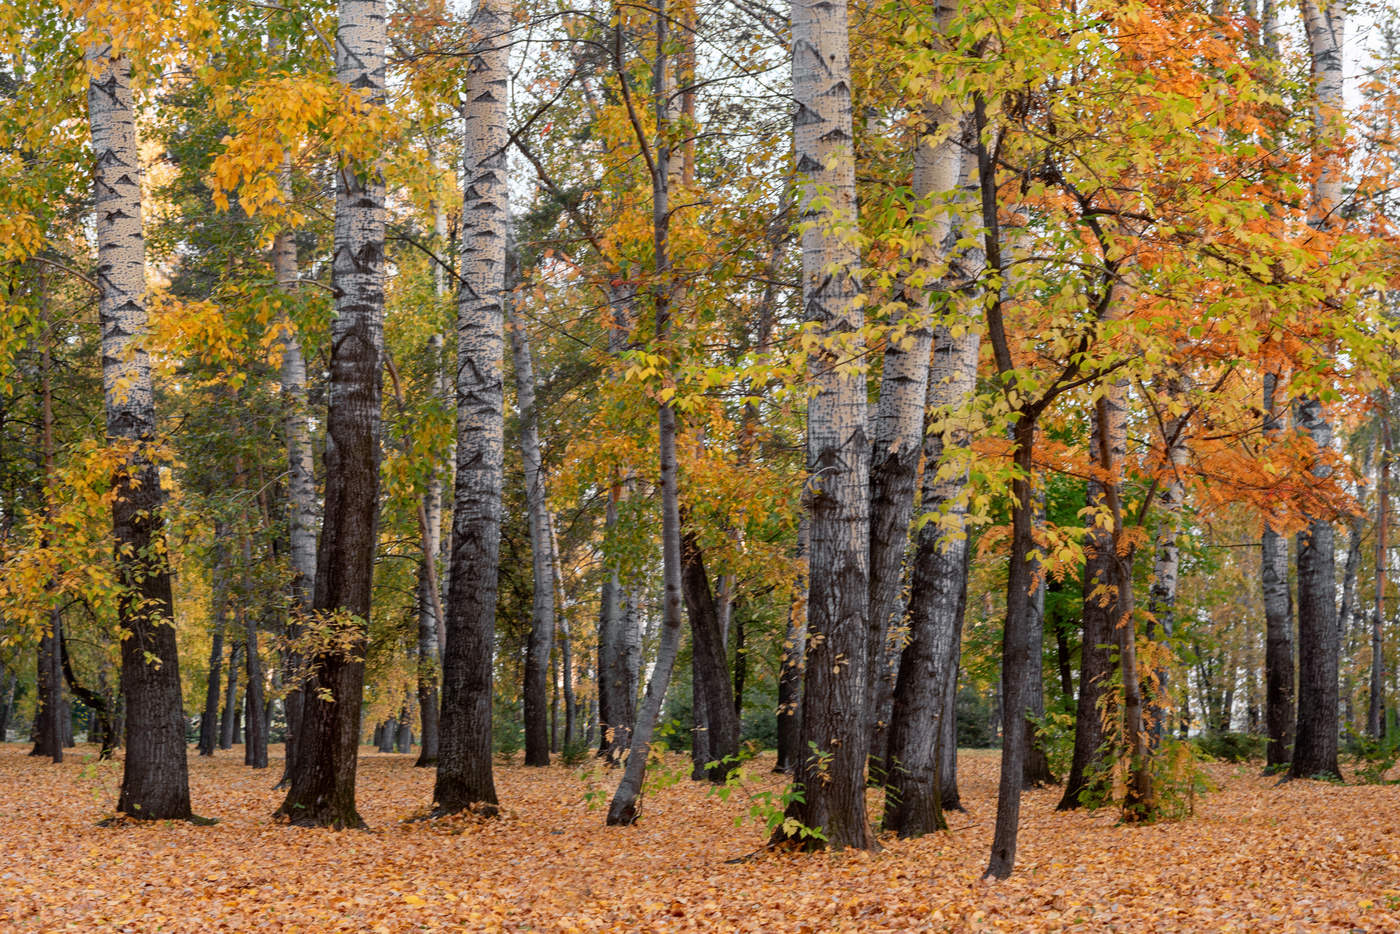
[[1304, 856]]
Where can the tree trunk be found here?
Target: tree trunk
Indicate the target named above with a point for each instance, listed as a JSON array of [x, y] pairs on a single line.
[[899, 416], [255, 742], [430, 604], [1315, 746], [1315, 750], [48, 681], [926, 688], [301, 486], [793, 664], [566, 664], [322, 786], [1037, 773], [1102, 611], [230, 698], [541, 640], [1016, 665], [1375, 707], [464, 776], [624, 808], [155, 779], [1166, 562], [209, 722], [832, 776], [1278, 616], [713, 691]]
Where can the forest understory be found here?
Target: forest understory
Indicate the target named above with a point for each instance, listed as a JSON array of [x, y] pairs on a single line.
[[1257, 856]]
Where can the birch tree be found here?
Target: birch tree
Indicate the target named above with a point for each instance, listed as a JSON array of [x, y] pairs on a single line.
[[322, 777], [464, 775]]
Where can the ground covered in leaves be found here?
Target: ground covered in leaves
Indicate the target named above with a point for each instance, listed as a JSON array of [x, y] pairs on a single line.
[[1304, 856]]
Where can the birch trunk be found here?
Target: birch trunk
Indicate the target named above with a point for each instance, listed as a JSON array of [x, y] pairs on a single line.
[[322, 786], [430, 603], [301, 485], [1315, 746], [1102, 610], [1375, 707], [938, 594], [899, 416], [1278, 616], [1166, 562], [464, 776], [832, 777], [541, 641], [155, 778]]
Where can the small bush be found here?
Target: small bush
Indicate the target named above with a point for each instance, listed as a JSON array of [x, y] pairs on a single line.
[[1230, 747], [1371, 758], [575, 752]]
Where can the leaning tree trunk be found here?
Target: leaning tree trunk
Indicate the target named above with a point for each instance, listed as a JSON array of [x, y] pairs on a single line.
[[322, 786], [899, 416], [1102, 610], [541, 641], [464, 776], [1278, 616], [831, 765], [713, 691], [155, 778], [625, 807], [928, 666]]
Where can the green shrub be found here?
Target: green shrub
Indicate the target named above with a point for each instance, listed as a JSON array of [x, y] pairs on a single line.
[[1230, 747]]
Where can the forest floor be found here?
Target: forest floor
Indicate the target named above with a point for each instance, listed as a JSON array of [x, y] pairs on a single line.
[[1304, 856]]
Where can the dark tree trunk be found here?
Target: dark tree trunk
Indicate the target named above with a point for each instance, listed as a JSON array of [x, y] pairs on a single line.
[[793, 662], [1375, 707], [464, 776], [404, 731], [1315, 749], [713, 692], [48, 717], [226, 719], [255, 742], [388, 734], [100, 728], [322, 777], [1062, 662], [741, 664], [1017, 668], [1278, 616], [7, 701], [155, 776], [1101, 612], [1037, 773], [209, 722]]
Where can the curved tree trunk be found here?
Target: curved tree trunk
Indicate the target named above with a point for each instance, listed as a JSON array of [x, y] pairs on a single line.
[[322, 786], [927, 684], [155, 778], [713, 691], [464, 775]]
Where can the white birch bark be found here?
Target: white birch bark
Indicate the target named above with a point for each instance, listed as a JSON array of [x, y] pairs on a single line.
[[464, 777], [155, 778]]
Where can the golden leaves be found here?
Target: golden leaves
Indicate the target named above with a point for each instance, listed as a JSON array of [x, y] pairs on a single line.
[[1259, 857]]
